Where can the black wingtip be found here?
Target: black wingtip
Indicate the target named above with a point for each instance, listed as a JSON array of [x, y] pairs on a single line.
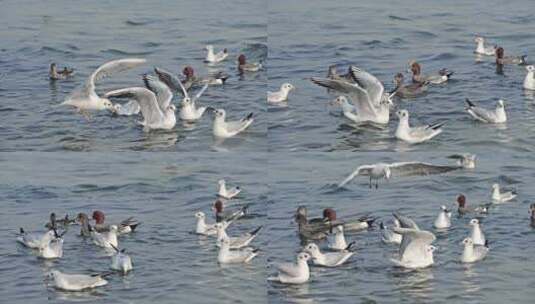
[[469, 103], [134, 226], [254, 232], [21, 230], [249, 116], [350, 245], [382, 226]]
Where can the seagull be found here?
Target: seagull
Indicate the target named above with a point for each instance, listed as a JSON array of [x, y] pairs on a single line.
[[367, 94], [54, 74], [476, 233], [290, 273], [244, 66], [416, 250], [443, 75], [529, 81], [327, 259], [121, 261], [388, 236], [386, 171], [463, 209], [188, 108], [481, 49], [404, 221], [227, 193], [501, 197], [126, 226], [466, 160], [227, 256], [128, 109], [230, 215], [34, 240], [416, 135], [212, 57], [85, 98], [77, 282], [227, 129], [203, 228], [107, 239], [472, 252], [338, 241], [52, 248], [443, 220], [281, 95], [488, 116], [236, 242], [156, 108]]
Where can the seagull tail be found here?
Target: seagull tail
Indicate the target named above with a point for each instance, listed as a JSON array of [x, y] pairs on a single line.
[[437, 125]]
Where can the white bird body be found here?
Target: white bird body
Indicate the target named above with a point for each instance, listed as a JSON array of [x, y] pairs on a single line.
[[488, 116], [481, 49], [338, 242], [352, 113], [212, 57], [35, 240], [107, 239], [327, 259], [415, 135], [130, 108], [443, 220], [227, 256], [76, 282], [291, 273], [415, 249], [281, 95], [476, 233], [203, 228], [473, 253], [389, 236], [122, 262], [227, 129], [236, 242], [227, 193], [52, 249], [529, 81], [501, 197]]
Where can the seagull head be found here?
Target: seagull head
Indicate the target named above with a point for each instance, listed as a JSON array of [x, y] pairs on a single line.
[[171, 108], [303, 256], [287, 87], [467, 242], [339, 101], [443, 208], [220, 226], [388, 173], [402, 114], [200, 215], [221, 182], [108, 105], [186, 101], [474, 222], [116, 108], [312, 249], [114, 228], [209, 47], [530, 68], [500, 104], [431, 248], [495, 187], [219, 113], [479, 39]]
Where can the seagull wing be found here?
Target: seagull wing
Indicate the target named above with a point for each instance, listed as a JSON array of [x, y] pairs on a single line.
[[418, 168], [362, 170], [160, 89], [148, 103], [369, 83], [171, 81]]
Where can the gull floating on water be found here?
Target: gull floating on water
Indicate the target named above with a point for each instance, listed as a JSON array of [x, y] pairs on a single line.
[[472, 252], [338, 240], [126, 226], [416, 135], [386, 171], [443, 220], [76, 282], [85, 98], [227, 129], [107, 239], [227, 256], [389, 236], [501, 197], [203, 228], [52, 248], [281, 95], [34, 240], [370, 103], [236, 242], [327, 259], [416, 250], [121, 261], [212, 57], [529, 81], [417, 77], [489, 116], [227, 193], [290, 273], [463, 209], [476, 233], [481, 49]]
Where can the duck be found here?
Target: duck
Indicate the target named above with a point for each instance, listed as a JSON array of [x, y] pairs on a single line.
[[443, 220], [408, 91], [191, 80], [212, 57], [529, 81], [54, 222], [228, 215], [464, 209], [280, 95], [54, 74], [83, 220], [473, 252], [532, 214], [327, 259], [313, 229], [417, 77], [501, 197], [244, 66], [416, 135], [126, 226], [362, 223], [496, 116], [482, 49], [501, 59], [476, 234]]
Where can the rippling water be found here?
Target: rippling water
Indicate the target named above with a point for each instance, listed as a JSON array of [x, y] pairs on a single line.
[[124, 171]]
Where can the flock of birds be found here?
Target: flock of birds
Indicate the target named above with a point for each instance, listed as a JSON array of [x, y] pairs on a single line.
[[154, 100]]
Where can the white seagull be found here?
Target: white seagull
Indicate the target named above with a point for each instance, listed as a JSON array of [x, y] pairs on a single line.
[[188, 108], [227, 193], [529, 81], [76, 282], [227, 129], [416, 250], [501, 197], [227, 256], [53, 248], [476, 234], [107, 239], [371, 104], [327, 259], [389, 236], [34, 240], [290, 273], [121, 261], [236, 242], [386, 171], [203, 228], [85, 98], [415, 135], [281, 95], [481, 49], [495, 116], [338, 241], [212, 57], [473, 253], [130, 108], [443, 220]]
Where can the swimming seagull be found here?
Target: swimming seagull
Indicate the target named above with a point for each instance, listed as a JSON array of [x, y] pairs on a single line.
[[188, 107], [489, 116], [85, 98], [52, 248], [476, 233], [501, 197], [121, 261], [106, 239], [236, 242], [367, 94], [281, 95], [212, 57], [77, 282], [34, 240], [154, 115], [227, 256], [443, 220], [389, 236], [227, 193], [416, 250], [338, 241], [481, 49], [386, 171], [203, 228], [472, 252], [416, 135], [227, 129], [290, 273], [327, 259], [529, 81], [466, 160]]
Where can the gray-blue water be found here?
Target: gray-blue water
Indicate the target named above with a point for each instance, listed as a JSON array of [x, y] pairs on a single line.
[[291, 156]]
